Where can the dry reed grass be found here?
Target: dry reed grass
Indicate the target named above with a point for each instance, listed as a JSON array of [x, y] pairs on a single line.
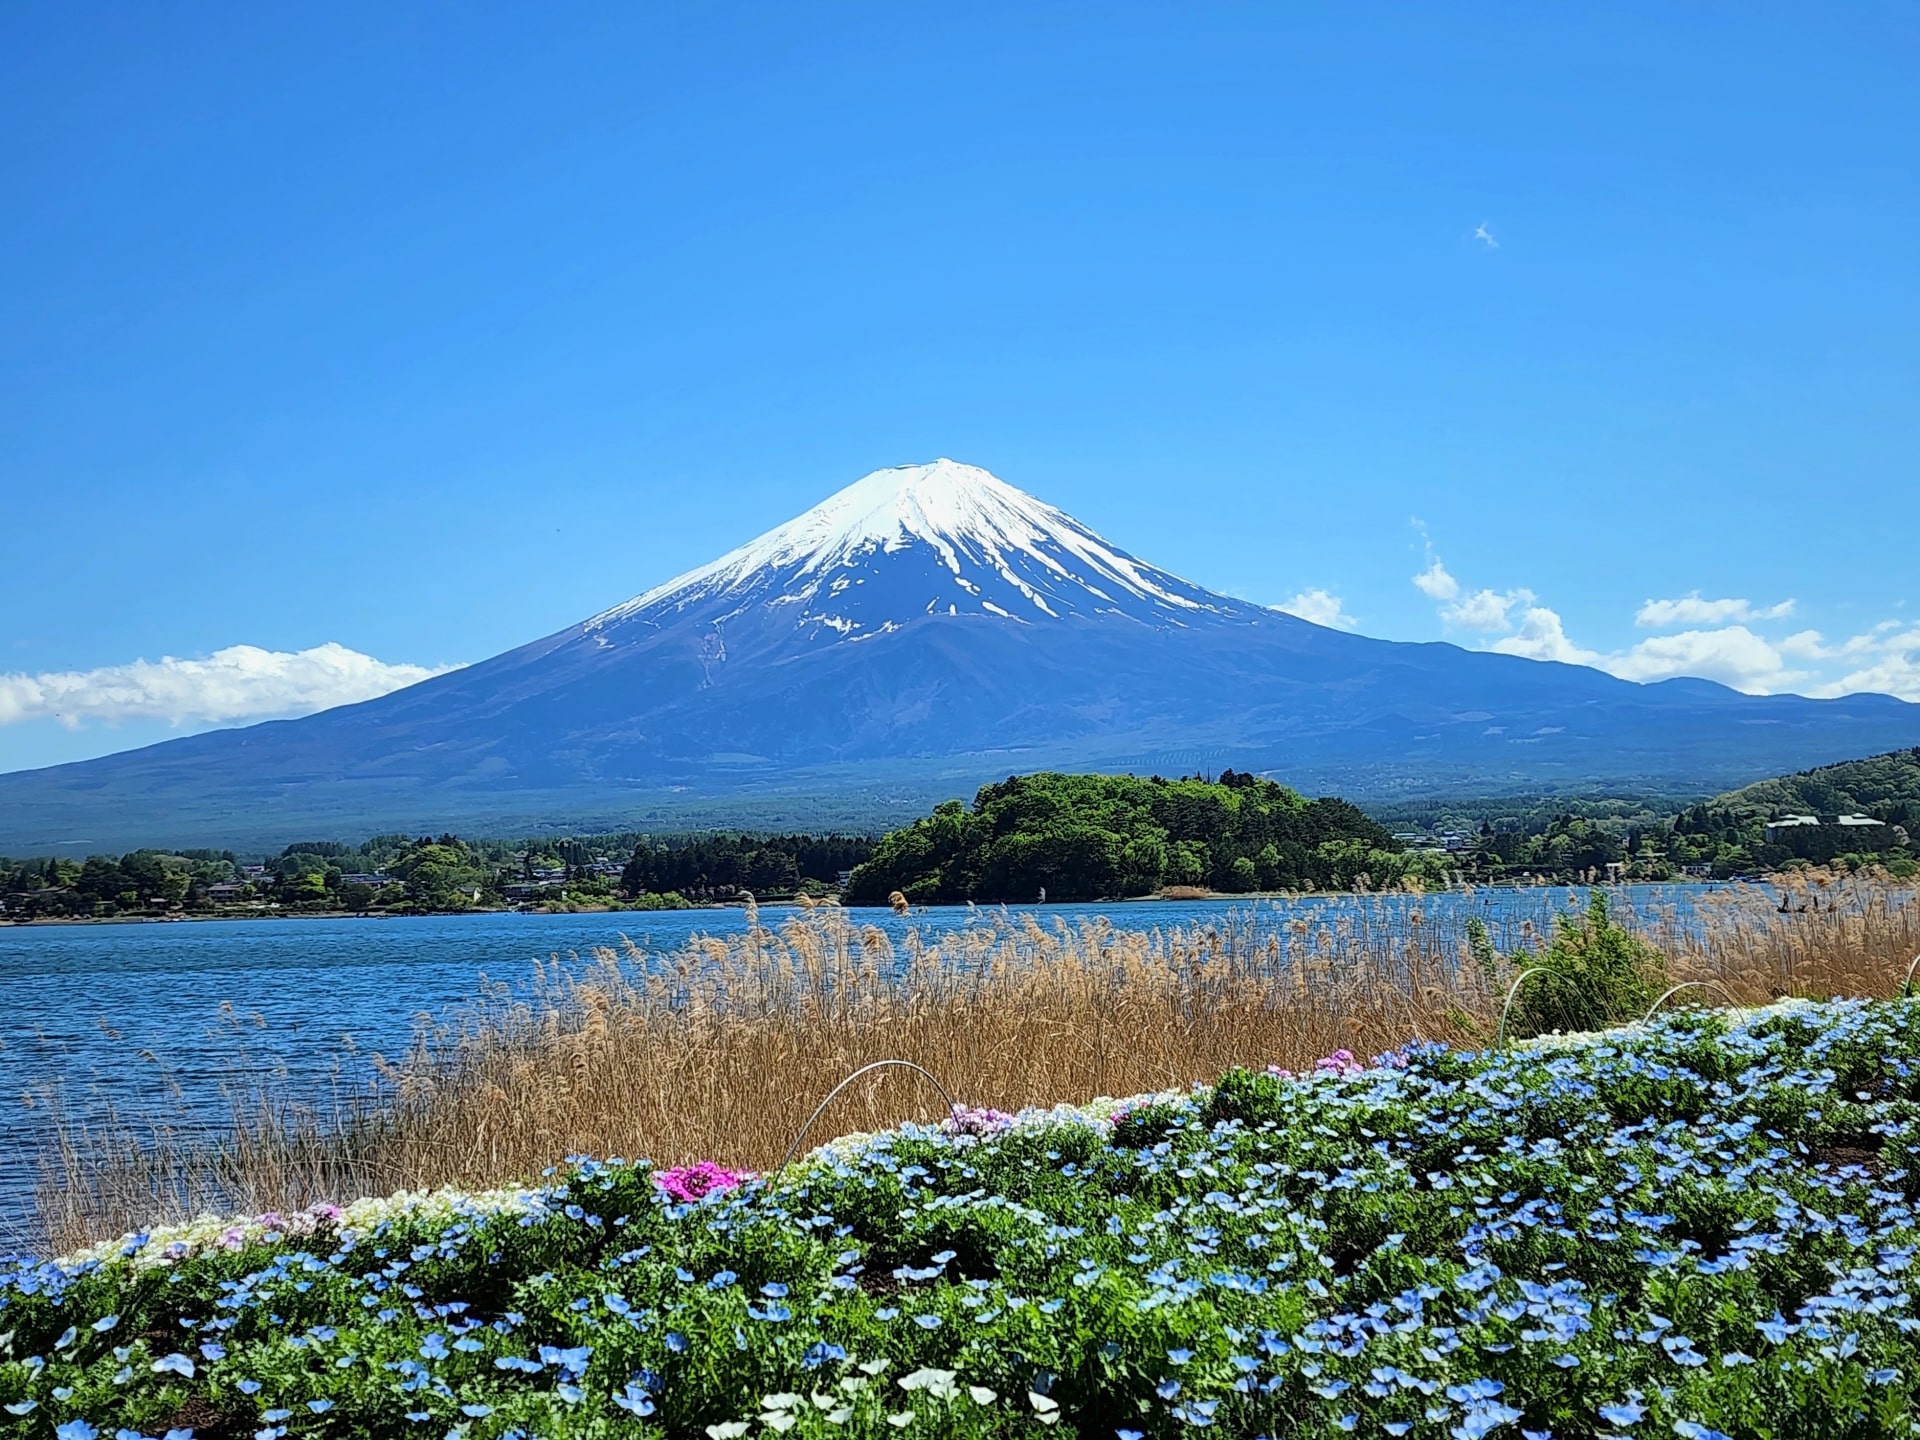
[[719, 1052]]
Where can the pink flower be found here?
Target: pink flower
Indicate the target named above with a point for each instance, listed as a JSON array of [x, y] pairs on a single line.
[[977, 1120], [1340, 1062], [689, 1183]]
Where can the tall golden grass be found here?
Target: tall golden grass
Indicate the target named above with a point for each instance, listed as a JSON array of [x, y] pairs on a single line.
[[721, 1051]]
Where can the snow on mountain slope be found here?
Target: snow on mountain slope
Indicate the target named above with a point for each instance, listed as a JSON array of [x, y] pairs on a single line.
[[943, 538]]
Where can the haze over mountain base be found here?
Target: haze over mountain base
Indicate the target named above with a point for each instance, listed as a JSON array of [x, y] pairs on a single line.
[[923, 631]]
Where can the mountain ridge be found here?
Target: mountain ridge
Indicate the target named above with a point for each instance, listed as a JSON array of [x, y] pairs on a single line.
[[921, 631]]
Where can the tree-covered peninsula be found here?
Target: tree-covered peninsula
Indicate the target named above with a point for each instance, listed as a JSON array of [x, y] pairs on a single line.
[[1099, 837]]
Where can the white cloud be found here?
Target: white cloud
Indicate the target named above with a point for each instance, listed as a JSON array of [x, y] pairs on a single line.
[[1812, 645], [1485, 609], [1691, 609], [1733, 655], [1480, 232], [242, 682], [1542, 636], [1894, 667], [1719, 644], [1435, 583], [1322, 607]]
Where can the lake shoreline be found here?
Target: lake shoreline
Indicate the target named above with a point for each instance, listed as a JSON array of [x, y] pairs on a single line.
[[1209, 897]]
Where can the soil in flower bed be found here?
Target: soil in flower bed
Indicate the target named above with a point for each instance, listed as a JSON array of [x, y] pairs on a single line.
[[1704, 1226]]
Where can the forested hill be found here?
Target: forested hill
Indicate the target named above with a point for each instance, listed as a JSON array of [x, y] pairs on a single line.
[[1887, 787], [1091, 837]]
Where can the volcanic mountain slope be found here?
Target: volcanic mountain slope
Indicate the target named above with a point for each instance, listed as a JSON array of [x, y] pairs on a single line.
[[922, 630]]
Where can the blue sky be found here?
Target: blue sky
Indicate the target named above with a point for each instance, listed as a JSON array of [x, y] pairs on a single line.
[[380, 338]]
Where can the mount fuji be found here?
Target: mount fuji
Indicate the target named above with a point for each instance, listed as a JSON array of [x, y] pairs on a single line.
[[921, 631]]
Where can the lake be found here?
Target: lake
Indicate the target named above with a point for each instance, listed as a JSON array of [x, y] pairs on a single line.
[[83, 1002]]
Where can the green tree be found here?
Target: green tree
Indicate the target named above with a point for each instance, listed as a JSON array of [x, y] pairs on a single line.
[[1083, 837]]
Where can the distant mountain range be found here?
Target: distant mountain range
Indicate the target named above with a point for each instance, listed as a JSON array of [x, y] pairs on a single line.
[[921, 631]]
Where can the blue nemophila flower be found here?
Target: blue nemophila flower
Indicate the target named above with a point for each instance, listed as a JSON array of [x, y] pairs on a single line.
[[676, 1342], [928, 1322], [277, 1415], [774, 1290], [1179, 1357], [1167, 1389], [1482, 1419], [818, 1354], [477, 1410], [1630, 1412], [320, 1406], [634, 1400], [573, 1361], [75, 1430], [174, 1364], [104, 1324], [434, 1347]]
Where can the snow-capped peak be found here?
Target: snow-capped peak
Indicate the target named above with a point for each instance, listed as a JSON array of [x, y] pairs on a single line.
[[1001, 552]]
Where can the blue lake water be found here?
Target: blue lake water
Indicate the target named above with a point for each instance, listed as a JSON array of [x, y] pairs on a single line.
[[83, 1002]]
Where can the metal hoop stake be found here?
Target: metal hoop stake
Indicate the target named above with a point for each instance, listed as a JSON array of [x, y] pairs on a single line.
[[1689, 985], [1500, 1039], [876, 1065], [1906, 990]]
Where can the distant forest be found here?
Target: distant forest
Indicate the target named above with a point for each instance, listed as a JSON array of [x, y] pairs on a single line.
[[1721, 836], [406, 874], [1090, 837]]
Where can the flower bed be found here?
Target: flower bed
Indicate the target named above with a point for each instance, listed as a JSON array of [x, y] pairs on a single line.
[[1701, 1226]]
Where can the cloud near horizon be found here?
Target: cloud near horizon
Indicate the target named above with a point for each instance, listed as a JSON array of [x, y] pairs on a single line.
[[241, 682], [1721, 643], [1322, 607], [1690, 609]]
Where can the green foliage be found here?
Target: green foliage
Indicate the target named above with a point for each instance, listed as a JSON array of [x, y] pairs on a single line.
[[405, 873], [1655, 838], [1884, 785], [1593, 973], [1702, 1226], [725, 864], [1091, 837]]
